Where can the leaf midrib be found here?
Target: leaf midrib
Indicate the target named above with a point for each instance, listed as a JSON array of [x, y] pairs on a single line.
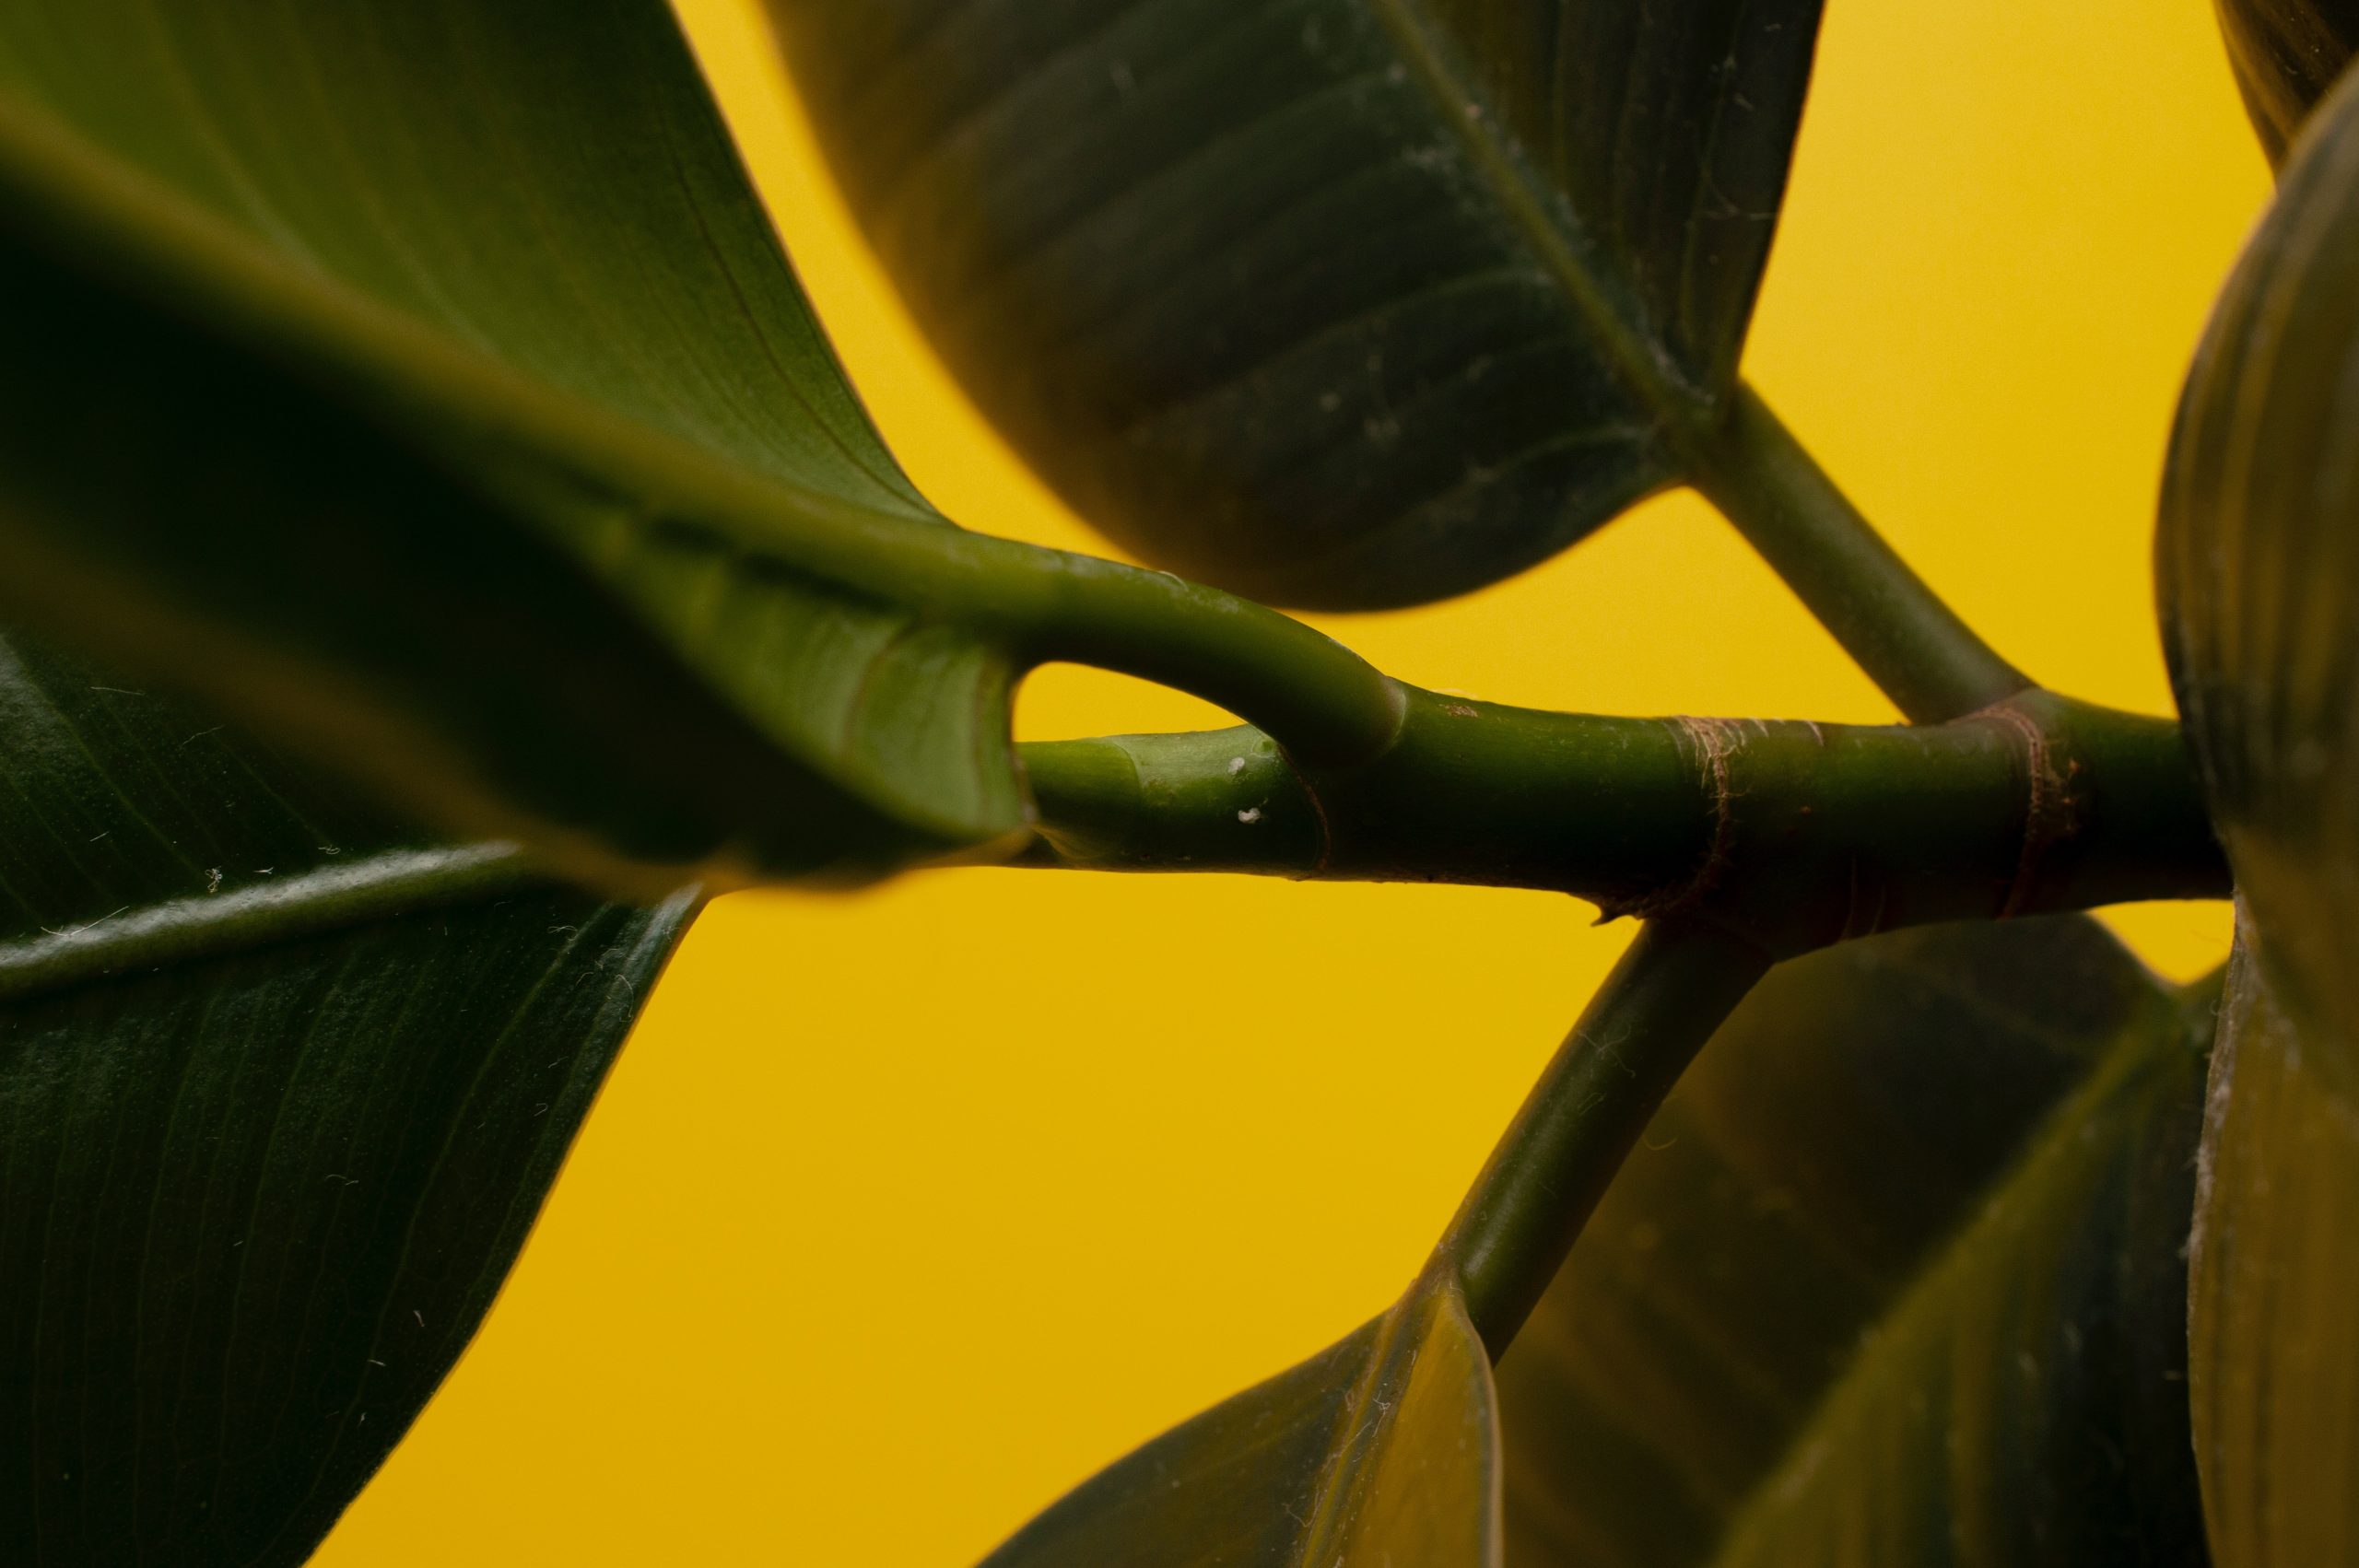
[[1541, 220], [326, 898]]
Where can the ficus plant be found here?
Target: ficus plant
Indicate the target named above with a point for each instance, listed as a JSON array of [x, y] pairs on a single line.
[[441, 550]]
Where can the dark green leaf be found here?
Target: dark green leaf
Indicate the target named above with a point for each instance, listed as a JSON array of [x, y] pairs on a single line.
[[2258, 580], [2275, 1361], [1892, 1279], [1380, 1450], [2286, 54], [357, 344], [424, 382], [1337, 302], [282, 1086]]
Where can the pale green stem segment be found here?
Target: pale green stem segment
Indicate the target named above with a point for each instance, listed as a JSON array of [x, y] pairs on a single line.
[[1672, 990], [1927, 660]]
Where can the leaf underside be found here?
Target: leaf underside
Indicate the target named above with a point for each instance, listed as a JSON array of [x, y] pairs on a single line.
[[2274, 1364], [1894, 1278], [1342, 303], [2286, 54], [1381, 1449], [424, 382], [255, 1194], [2258, 570]]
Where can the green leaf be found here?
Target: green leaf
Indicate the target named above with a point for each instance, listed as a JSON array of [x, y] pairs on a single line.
[[1893, 1278], [2286, 54], [1900, 1258], [423, 381], [282, 1087], [1382, 1449], [1336, 302], [2258, 571], [2273, 1363]]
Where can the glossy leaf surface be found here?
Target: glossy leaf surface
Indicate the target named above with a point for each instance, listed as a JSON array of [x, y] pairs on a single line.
[[2258, 573], [1892, 1279], [1382, 1449], [282, 1087], [1336, 302], [2286, 54], [425, 381], [2273, 1360]]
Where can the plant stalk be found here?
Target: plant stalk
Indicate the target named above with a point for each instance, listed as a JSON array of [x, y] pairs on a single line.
[[1925, 658], [1796, 835], [1672, 990]]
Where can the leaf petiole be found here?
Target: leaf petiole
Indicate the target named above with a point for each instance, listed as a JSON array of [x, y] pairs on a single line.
[[1671, 990], [1932, 665]]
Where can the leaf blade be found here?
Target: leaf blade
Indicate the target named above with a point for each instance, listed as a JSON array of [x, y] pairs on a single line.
[[1792, 1332], [1337, 303], [518, 359], [1382, 1447], [2256, 572], [257, 1189], [2286, 54], [2274, 1369]]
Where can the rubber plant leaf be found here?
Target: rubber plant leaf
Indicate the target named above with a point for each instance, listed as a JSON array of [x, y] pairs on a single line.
[[2257, 574], [2274, 1366], [1925, 1190], [282, 1085], [2259, 569], [2286, 54], [1342, 303], [423, 381], [1382, 1449], [1894, 1279]]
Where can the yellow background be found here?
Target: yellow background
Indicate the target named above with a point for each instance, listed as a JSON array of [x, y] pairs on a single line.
[[906, 1210]]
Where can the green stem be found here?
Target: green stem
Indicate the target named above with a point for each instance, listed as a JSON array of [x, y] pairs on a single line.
[[1326, 703], [1797, 834], [1672, 990], [1929, 662]]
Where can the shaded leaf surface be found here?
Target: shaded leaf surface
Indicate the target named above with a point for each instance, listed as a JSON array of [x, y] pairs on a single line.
[[2286, 54], [425, 380], [1335, 302], [1894, 1278], [2273, 1363], [256, 1189], [1382, 1449], [2258, 573]]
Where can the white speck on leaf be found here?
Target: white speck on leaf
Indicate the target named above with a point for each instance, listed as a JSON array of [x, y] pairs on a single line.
[[1235, 766], [1250, 815]]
